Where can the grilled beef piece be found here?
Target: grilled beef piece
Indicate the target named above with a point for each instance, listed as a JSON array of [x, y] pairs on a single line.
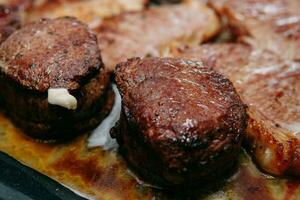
[[271, 24], [9, 21], [148, 32], [270, 88], [181, 122], [59, 53]]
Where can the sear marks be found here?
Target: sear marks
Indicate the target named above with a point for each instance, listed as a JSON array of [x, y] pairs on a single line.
[[54, 53], [181, 120]]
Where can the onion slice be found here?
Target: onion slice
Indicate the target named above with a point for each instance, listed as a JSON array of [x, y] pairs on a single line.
[[100, 137]]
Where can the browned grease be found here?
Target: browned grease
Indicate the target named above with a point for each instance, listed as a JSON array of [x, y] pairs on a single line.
[[103, 174]]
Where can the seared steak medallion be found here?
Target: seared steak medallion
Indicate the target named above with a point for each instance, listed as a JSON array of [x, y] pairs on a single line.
[[181, 121], [47, 57]]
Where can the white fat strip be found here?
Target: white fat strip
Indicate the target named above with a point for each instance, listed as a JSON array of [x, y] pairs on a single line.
[[294, 127], [101, 135], [267, 156], [62, 97], [287, 21]]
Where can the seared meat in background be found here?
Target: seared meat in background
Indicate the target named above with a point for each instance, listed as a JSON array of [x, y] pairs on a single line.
[[271, 24], [181, 121], [46, 55], [146, 33], [89, 11], [16, 3], [270, 87], [165, 1], [9, 21]]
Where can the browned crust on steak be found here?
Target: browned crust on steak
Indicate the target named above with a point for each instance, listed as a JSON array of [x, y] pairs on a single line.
[[182, 120], [39, 55]]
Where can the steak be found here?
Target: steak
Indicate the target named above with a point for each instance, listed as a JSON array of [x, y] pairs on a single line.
[[181, 121], [269, 24], [270, 86], [51, 54], [147, 33]]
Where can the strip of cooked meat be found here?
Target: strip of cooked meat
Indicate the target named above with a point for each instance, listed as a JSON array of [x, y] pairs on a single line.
[[51, 54], [271, 24], [181, 123], [89, 11], [145, 33], [270, 87]]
